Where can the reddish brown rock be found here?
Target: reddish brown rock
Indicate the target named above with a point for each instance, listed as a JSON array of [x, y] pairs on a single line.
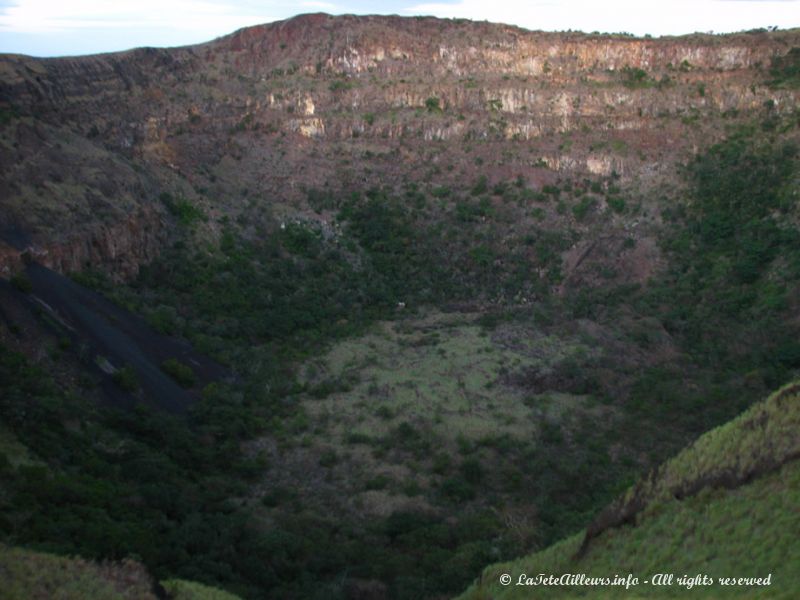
[[273, 110]]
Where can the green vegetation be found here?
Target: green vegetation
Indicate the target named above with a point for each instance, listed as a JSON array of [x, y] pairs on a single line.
[[733, 252], [734, 255], [755, 442], [722, 301], [180, 372], [785, 70], [432, 104], [619, 146], [22, 283], [616, 204], [340, 85], [437, 381], [125, 377], [441, 192], [31, 575], [635, 78], [178, 589], [101, 482], [8, 114], [747, 531], [410, 400], [184, 211], [582, 209], [262, 305], [481, 186]]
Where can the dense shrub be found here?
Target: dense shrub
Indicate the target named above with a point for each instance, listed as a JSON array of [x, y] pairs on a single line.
[[785, 70], [126, 378], [179, 371]]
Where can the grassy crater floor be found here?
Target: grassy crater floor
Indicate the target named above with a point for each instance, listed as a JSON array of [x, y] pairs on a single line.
[[400, 413]]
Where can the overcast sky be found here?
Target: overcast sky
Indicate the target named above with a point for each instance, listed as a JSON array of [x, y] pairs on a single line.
[[65, 27]]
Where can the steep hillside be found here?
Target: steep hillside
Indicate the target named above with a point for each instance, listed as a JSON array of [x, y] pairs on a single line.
[[726, 507], [115, 349]]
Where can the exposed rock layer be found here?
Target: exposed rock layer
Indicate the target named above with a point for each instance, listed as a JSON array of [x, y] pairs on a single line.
[[90, 142]]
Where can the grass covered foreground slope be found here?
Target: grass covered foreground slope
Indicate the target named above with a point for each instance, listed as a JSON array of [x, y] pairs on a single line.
[[725, 507], [29, 575]]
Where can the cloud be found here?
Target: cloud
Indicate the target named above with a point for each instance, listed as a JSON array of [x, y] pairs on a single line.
[[639, 17], [51, 16], [319, 5]]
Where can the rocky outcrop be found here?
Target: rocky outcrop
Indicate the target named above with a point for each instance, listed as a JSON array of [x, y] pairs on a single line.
[[276, 109], [396, 45], [317, 72], [119, 248]]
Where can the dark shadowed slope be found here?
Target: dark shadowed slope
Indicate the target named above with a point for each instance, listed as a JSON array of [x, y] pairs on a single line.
[[109, 339]]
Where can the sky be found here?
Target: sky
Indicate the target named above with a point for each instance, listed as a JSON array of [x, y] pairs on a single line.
[[70, 27]]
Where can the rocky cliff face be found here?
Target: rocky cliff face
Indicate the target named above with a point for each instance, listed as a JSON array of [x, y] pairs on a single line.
[[119, 247], [87, 144]]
